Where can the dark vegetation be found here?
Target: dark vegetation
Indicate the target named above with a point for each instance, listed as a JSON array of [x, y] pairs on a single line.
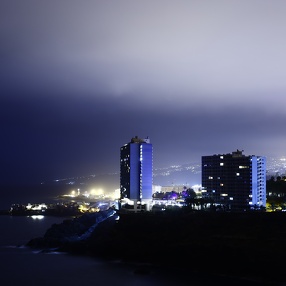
[[276, 193]]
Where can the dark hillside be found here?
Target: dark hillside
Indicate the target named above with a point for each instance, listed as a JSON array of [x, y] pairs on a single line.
[[250, 245], [238, 244]]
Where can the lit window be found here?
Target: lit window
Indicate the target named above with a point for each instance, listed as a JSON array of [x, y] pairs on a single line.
[[210, 177], [221, 164], [237, 174], [221, 157]]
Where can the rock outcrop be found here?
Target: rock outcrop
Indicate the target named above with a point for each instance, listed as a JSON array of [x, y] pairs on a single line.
[[71, 231]]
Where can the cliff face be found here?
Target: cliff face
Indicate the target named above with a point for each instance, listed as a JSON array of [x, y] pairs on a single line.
[[236, 244], [71, 231]]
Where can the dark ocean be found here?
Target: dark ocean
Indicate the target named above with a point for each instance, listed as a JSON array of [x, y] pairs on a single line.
[[23, 266]]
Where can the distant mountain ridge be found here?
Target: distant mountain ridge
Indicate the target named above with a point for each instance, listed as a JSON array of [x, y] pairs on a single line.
[[186, 174]]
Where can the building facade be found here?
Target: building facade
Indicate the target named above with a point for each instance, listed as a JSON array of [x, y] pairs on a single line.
[[136, 172], [235, 181]]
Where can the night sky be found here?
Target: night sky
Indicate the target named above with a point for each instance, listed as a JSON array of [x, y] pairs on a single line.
[[79, 79]]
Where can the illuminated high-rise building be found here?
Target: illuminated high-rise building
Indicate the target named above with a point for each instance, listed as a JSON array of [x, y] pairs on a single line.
[[136, 172], [235, 181]]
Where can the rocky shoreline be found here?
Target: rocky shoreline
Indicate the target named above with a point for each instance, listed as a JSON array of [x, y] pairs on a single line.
[[244, 245], [71, 231]]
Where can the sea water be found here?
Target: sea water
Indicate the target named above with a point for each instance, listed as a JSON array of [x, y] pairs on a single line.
[[24, 266]]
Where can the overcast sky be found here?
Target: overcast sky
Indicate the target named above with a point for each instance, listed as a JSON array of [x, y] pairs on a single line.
[[79, 79]]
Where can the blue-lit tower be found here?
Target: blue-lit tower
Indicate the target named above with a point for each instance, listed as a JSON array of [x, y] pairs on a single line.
[[136, 172], [235, 181]]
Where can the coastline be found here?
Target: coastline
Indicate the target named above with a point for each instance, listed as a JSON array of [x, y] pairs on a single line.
[[237, 245]]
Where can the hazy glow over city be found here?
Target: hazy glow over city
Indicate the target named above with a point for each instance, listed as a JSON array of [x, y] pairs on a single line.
[[197, 77]]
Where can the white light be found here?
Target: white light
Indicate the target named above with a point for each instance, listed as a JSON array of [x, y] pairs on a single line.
[[37, 216]]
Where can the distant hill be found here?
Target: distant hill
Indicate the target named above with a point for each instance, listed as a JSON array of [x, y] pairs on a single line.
[[187, 174]]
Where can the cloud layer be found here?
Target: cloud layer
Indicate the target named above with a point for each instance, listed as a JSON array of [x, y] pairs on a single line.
[[79, 79]]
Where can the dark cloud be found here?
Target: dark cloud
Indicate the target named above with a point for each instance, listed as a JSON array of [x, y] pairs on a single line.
[[48, 138], [78, 80]]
